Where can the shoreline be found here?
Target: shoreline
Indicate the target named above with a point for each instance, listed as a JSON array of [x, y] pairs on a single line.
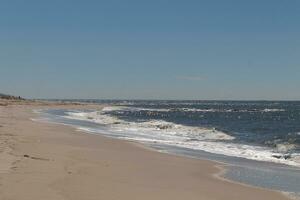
[[168, 176], [261, 174]]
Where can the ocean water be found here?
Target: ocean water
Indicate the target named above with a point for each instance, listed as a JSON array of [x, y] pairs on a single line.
[[259, 140]]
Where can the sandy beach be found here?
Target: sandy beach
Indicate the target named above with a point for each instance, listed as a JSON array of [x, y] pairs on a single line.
[[55, 162]]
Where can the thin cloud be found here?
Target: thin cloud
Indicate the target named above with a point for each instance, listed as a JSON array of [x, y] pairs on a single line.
[[191, 78]]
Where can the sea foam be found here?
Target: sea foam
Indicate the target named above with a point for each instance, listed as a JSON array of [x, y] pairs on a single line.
[[168, 133]]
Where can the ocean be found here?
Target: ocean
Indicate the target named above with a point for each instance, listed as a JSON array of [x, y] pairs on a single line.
[[260, 140]]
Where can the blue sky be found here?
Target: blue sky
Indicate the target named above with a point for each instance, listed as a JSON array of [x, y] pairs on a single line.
[[150, 49]]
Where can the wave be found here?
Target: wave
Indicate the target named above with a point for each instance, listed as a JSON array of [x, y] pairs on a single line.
[[273, 110], [197, 138], [232, 110], [132, 109], [159, 128]]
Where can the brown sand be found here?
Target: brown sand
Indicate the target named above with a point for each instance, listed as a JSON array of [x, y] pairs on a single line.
[[41, 161]]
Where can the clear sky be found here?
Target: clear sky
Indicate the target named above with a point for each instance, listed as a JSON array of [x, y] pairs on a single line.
[[154, 49]]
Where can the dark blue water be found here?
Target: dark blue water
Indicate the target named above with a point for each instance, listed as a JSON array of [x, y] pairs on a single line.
[[263, 123]]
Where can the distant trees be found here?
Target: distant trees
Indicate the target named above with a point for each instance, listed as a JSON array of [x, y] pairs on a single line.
[[10, 97]]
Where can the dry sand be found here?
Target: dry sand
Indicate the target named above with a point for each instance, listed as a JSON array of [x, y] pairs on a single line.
[[41, 161]]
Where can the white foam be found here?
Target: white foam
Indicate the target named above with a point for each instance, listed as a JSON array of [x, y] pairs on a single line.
[[37, 111], [124, 108], [112, 108], [229, 149], [291, 195], [285, 147], [96, 117], [273, 110], [159, 128], [197, 138]]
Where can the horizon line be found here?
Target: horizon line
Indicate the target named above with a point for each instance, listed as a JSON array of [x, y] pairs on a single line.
[[115, 99]]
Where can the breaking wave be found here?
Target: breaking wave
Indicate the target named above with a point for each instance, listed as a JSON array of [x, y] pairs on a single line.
[[191, 137], [124, 108]]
